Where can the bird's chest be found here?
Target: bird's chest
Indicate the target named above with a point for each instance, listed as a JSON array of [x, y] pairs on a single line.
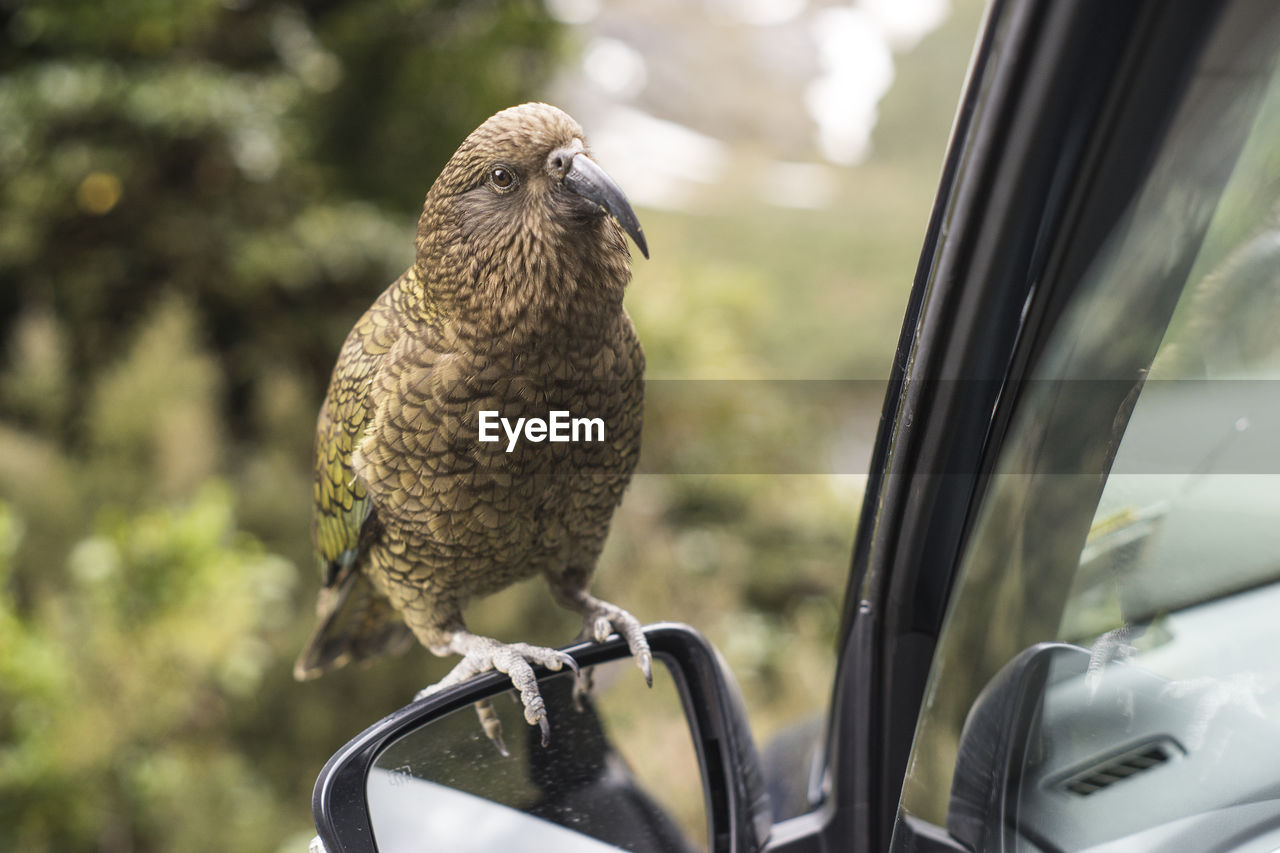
[[526, 457], [567, 438]]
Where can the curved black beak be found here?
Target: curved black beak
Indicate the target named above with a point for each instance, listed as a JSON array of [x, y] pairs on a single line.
[[591, 182]]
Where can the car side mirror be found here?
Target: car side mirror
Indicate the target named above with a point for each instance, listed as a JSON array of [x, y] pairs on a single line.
[[994, 745], [995, 740], [426, 777]]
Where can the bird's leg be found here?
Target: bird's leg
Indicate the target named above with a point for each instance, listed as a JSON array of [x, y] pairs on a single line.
[[599, 620], [481, 654]]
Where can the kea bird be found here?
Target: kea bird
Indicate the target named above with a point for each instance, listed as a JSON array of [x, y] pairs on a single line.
[[512, 307]]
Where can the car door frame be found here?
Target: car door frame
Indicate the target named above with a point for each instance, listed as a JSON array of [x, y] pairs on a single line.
[[1064, 107]]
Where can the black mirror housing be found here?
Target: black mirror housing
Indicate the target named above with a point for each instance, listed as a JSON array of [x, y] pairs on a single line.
[[737, 806]]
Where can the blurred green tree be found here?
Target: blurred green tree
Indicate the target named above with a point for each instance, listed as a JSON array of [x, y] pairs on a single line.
[[113, 693], [197, 198], [217, 150]]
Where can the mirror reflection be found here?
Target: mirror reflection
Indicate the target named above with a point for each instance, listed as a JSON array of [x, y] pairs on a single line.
[[618, 773]]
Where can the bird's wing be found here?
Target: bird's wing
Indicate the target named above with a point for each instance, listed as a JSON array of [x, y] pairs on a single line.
[[354, 622], [420, 457]]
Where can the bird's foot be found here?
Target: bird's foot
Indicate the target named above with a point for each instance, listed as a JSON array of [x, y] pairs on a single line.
[[481, 654], [599, 620]]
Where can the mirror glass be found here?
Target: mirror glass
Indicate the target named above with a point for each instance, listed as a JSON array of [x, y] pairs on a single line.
[[621, 773]]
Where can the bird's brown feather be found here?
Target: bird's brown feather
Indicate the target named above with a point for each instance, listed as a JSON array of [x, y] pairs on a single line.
[[514, 304]]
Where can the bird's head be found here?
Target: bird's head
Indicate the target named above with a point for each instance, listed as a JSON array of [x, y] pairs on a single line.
[[521, 217]]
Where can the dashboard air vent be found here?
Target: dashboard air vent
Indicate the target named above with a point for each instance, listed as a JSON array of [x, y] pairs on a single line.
[[1119, 768]]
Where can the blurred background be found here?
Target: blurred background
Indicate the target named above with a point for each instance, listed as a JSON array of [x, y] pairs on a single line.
[[197, 200]]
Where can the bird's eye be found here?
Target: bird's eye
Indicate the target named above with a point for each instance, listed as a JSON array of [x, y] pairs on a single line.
[[502, 178]]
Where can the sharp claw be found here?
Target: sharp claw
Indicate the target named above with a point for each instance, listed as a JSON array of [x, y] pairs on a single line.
[[567, 660], [603, 629], [645, 662], [481, 654]]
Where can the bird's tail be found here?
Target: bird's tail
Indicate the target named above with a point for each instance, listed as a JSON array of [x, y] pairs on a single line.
[[354, 623]]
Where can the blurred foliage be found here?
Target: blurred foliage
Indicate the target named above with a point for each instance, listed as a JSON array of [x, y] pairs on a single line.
[[263, 160], [197, 199], [403, 60], [114, 693]]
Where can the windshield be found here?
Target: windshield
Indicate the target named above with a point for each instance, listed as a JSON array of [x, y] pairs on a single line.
[[1108, 661]]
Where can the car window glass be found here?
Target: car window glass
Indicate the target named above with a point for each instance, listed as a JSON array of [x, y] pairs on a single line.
[[1107, 679]]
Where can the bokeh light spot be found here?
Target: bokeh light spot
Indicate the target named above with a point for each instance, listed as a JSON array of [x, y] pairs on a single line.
[[98, 193]]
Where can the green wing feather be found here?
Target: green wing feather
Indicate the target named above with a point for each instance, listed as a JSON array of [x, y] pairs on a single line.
[[354, 621]]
